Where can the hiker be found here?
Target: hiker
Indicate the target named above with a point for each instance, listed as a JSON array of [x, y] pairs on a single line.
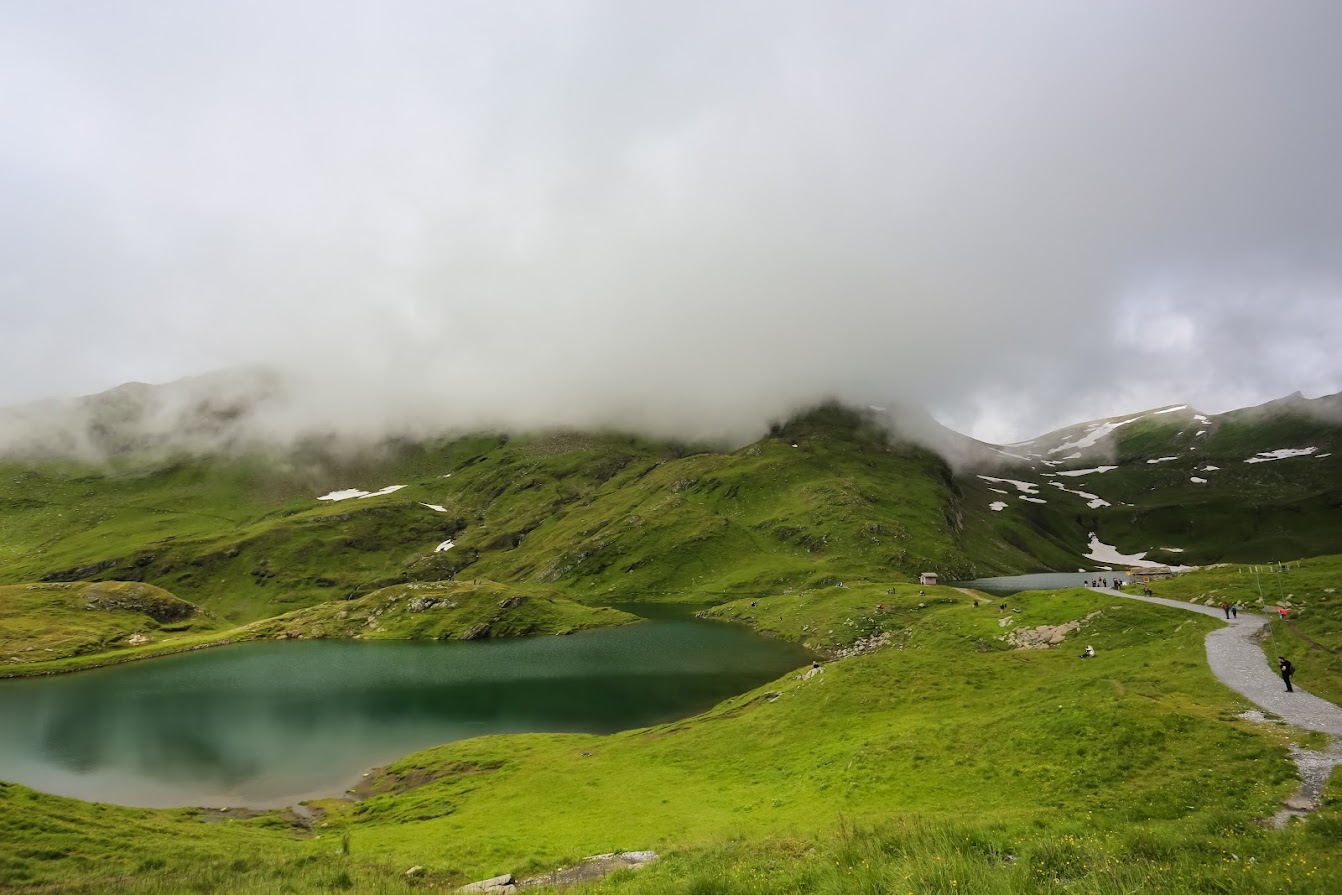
[[1088, 652], [1287, 669], [1234, 610], [1225, 607]]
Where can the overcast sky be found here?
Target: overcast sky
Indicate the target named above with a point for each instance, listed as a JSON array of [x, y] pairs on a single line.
[[678, 214]]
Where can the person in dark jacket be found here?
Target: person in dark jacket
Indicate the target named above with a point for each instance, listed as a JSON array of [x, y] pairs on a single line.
[[1287, 669]]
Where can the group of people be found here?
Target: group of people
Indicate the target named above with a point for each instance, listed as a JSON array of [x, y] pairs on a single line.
[[1230, 609]]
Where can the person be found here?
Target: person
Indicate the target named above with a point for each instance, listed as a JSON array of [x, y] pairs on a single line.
[[1287, 669], [1225, 607], [1088, 652], [1234, 610]]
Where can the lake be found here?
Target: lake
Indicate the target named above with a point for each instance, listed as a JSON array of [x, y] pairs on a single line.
[[1014, 584], [268, 724]]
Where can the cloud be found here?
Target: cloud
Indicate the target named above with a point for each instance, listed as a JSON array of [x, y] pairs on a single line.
[[686, 218]]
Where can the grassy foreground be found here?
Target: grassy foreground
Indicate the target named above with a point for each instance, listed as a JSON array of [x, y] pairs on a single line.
[[942, 761]]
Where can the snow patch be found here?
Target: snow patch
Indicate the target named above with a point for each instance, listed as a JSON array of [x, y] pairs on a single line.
[[997, 506], [1321, 456], [1092, 436], [1199, 432], [435, 507], [1014, 456], [1022, 487], [1170, 409], [1094, 500], [1161, 459], [445, 545], [1075, 472], [997, 491], [1209, 468], [347, 493], [1107, 553], [1281, 454], [1200, 418], [1197, 481], [1033, 499]]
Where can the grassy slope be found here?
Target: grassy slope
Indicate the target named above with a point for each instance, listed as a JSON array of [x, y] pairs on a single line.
[[591, 515], [44, 622], [53, 613], [442, 610], [909, 766], [1312, 591]]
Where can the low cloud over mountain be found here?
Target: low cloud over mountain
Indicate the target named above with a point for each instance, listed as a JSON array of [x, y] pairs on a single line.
[[688, 219]]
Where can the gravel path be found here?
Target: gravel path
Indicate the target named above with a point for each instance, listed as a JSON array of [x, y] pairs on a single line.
[[1238, 662]]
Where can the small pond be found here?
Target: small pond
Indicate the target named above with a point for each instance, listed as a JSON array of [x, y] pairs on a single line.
[[1012, 584], [267, 724]]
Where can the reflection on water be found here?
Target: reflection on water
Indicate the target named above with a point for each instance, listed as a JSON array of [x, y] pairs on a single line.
[[265, 723]]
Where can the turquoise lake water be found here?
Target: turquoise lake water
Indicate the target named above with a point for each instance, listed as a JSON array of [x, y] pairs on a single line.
[[267, 724]]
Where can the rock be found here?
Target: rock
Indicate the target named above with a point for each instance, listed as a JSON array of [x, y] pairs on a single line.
[[475, 632], [137, 640], [497, 885], [415, 871], [592, 867], [512, 602]]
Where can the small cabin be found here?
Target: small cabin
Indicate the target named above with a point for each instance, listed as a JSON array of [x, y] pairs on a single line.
[[928, 578]]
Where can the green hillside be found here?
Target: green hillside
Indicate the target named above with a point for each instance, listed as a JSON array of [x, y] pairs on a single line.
[[825, 496], [42, 623]]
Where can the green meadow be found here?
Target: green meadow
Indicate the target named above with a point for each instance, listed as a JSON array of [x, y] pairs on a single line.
[[942, 761], [930, 755]]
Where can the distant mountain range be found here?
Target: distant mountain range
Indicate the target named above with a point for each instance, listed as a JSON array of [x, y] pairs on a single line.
[[179, 486]]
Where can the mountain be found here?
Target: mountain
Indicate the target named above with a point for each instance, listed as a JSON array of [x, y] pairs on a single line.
[[1259, 483], [250, 530]]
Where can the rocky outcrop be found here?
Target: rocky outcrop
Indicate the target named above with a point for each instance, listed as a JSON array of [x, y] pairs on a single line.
[[497, 885], [592, 867]]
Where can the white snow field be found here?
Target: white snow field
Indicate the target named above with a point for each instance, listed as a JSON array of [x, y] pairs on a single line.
[[435, 507], [445, 545], [1198, 481], [1094, 500], [1097, 469], [1161, 459], [1281, 454], [347, 493], [997, 506], [1092, 435], [1109, 554], [1022, 487]]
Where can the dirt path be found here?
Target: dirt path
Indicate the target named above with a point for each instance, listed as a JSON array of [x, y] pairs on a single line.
[[1238, 662]]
